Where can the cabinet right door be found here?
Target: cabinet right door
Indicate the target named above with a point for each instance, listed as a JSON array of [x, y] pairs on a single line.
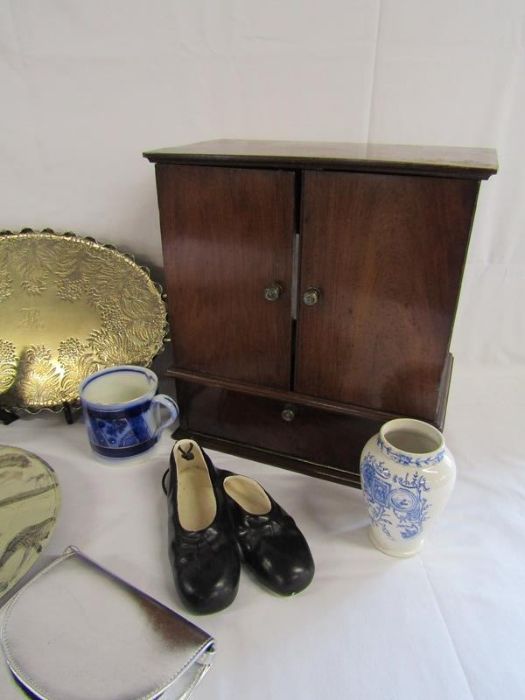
[[386, 253]]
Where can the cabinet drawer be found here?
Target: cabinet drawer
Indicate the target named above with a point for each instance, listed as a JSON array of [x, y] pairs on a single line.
[[314, 442]]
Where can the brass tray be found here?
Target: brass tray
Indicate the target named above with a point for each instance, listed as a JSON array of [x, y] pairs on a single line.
[[70, 306]]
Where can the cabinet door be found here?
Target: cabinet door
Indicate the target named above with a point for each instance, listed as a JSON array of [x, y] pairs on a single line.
[[227, 235], [387, 254]]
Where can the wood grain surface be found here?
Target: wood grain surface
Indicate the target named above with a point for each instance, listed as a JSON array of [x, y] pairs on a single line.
[[446, 161], [387, 253], [227, 234]]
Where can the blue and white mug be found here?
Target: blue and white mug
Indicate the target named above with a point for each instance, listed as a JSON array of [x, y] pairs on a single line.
[[122, 410]]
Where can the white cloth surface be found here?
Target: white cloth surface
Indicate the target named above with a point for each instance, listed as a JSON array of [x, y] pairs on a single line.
[[448, 623]]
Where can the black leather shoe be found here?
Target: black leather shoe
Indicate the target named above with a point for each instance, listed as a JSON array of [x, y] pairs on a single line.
[[272, 545], [202, 550]]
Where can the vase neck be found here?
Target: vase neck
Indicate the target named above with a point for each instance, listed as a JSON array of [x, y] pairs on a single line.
[[411, 442]]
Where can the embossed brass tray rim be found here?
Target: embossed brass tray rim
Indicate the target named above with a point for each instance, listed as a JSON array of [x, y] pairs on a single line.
[[23, 408]]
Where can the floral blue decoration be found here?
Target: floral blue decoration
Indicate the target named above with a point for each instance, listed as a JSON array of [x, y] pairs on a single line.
[[403, 458], [396, 503], [119, 433]]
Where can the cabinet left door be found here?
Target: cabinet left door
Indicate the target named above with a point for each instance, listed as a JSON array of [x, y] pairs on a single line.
[[227, 236]]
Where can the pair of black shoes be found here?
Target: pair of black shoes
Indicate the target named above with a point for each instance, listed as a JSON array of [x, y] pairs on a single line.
[[215, 518]]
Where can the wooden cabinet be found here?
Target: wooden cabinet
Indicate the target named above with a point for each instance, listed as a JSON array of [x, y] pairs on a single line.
[[312, 290]]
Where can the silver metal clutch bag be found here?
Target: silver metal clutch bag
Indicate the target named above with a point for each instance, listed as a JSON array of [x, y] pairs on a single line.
[[77, 632]]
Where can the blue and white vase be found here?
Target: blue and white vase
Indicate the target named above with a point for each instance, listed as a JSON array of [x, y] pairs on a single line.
[[407, 476]]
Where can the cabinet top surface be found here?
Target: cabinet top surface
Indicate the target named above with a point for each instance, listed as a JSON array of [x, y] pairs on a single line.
[[467, 162]]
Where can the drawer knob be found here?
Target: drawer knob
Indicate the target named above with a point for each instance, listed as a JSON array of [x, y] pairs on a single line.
[[273, 292], [311, 296], [288, 414]]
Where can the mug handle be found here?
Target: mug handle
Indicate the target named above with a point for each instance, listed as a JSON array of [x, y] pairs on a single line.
[[171, 405]]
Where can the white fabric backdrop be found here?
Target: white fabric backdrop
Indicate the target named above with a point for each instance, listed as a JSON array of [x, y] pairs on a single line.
[[87, 86]]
